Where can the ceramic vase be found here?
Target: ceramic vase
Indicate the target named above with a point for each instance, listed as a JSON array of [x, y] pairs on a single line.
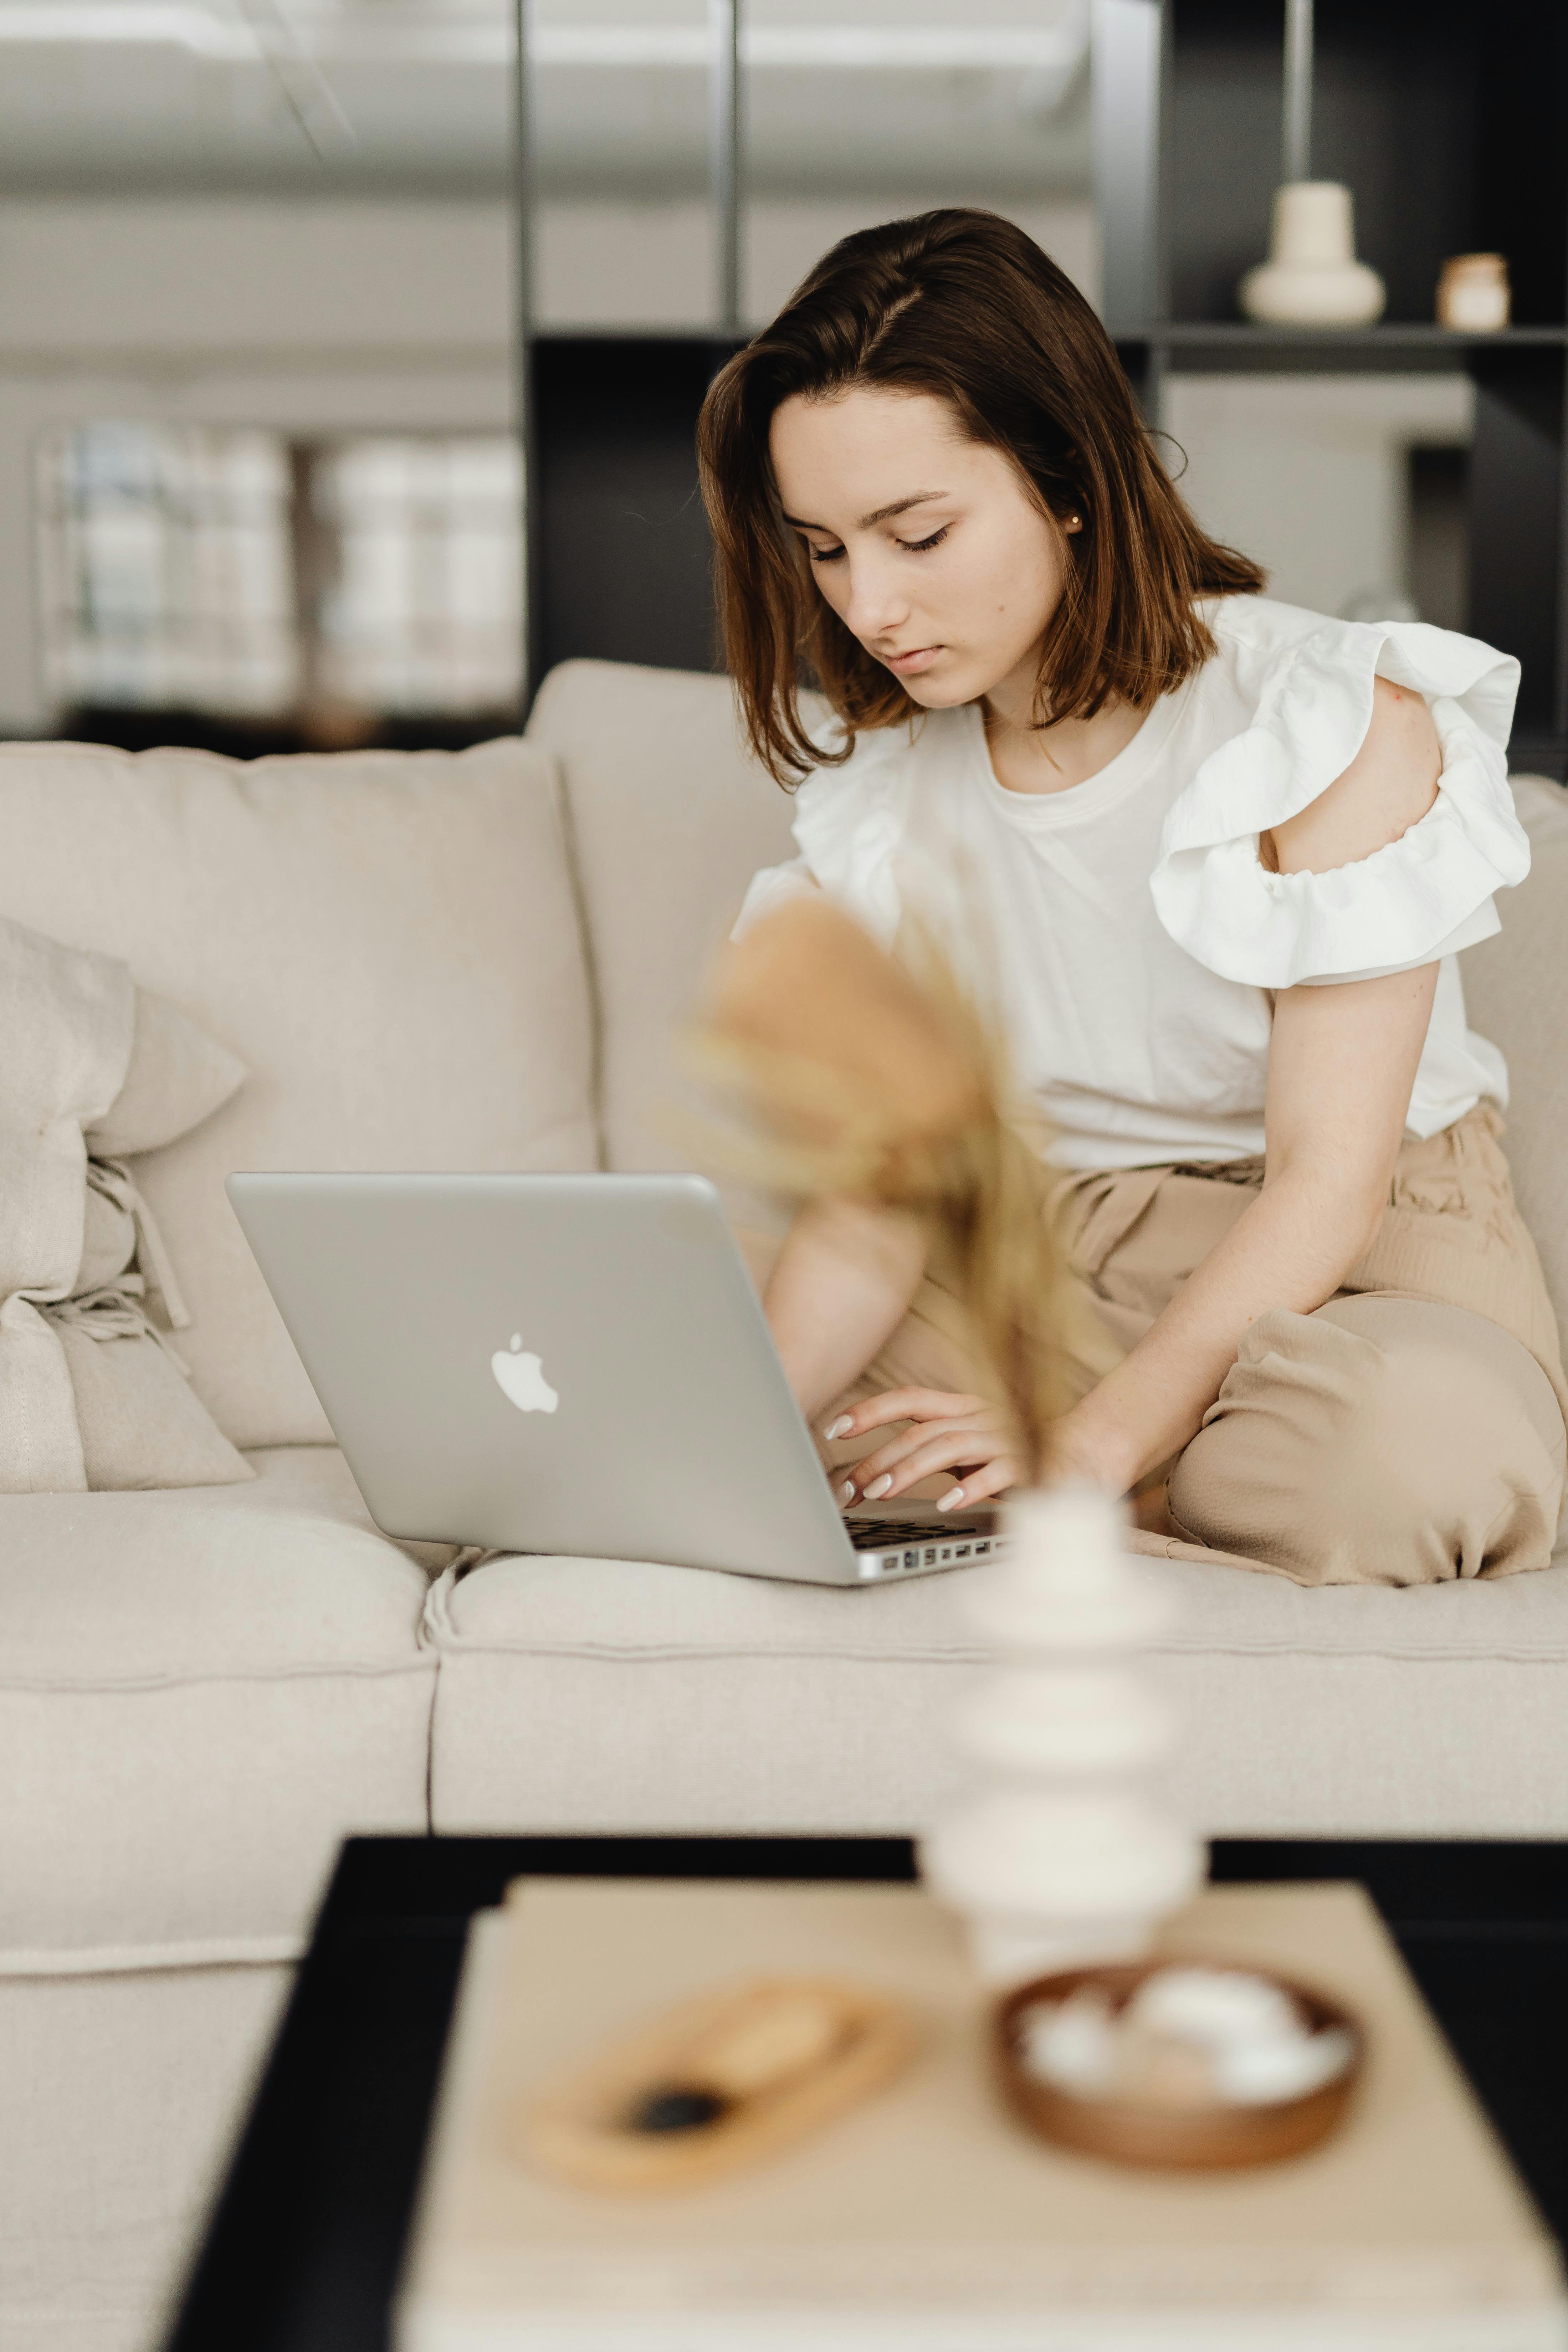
[[1061, 1856], [1311, 277]]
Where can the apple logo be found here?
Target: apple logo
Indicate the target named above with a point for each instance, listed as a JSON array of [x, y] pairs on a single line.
[[521, 1378]]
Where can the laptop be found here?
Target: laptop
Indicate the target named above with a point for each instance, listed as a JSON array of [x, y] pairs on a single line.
[[571, 1365]]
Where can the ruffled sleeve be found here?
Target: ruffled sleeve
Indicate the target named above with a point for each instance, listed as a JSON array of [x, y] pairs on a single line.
[[1423, 896], [849, 825], [769, 888]]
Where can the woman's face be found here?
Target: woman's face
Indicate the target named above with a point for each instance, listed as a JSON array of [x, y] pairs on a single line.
[[927, 545]]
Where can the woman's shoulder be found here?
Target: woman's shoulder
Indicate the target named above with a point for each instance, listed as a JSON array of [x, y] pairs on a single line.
[[881, 760], [1299, 691], [1259, 625], [1277, 655], [850, 820]]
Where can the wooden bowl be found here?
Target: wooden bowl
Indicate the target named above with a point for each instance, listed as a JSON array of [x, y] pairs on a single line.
[[1131, 2131]]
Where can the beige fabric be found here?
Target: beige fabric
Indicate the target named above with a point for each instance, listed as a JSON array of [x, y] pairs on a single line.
[[1451, 1232], [142, 1424], [387, 942], [109, 1228], [89, 1393], [200, 1694], [66, 1018], [1412, 1429], [1384, 1440], [606, 1695], [123, 2096], [1516, 987], [178, 1076], [670, 821]]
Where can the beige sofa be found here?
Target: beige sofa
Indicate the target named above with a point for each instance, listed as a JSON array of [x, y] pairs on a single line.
[[472, 962]]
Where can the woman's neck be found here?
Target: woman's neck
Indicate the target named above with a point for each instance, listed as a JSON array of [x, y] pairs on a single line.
[[1026, 758]]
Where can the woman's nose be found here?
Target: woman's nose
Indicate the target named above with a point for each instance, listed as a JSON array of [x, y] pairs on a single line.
[[877, 605]]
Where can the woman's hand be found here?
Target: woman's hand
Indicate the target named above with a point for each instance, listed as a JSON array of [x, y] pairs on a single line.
[[945, 1431], [965, 1434]]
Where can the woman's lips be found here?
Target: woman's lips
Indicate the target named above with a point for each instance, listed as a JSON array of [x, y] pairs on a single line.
[[921, 658]]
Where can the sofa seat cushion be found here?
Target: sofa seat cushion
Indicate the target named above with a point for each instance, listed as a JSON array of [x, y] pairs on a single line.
[[606, 1695], [201, 1693], [124, 2096]]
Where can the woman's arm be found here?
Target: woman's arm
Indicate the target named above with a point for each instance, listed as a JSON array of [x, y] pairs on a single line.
[[1342, 1064], [838, 1292]]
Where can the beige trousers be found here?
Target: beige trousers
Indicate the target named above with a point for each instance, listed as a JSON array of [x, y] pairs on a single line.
[[1410, 1430]]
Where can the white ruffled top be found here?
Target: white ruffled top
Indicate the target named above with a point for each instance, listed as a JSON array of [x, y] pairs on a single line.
[[1126, 929]]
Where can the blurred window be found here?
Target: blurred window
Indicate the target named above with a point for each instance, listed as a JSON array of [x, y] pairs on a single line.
[[420, 560], [166, 568], [237, 574]]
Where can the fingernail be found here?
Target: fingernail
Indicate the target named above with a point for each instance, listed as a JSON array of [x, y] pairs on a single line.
[[841, 1427], [846, 1492], [878, 1487], [951, 1500]]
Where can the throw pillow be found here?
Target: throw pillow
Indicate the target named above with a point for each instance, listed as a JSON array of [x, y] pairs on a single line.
[[177, 1077], [91, 1392]]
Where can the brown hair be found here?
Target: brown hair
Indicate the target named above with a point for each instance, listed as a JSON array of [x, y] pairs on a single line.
[[965, 306]]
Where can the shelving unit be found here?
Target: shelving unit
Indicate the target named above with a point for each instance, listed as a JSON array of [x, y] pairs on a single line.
[[616, 549], [1243, 345], [619, 544], [1445, 118]]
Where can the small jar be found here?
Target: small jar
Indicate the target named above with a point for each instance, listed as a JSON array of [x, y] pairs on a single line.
[[1473, 293]]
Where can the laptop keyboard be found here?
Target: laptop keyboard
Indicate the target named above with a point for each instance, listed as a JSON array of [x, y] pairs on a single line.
[[871, 1535]]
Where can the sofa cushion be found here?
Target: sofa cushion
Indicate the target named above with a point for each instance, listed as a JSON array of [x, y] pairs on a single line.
[[124, 2096], [389, 941], [1516, 993], [200, 1693], [611, 1696], [670, 821]]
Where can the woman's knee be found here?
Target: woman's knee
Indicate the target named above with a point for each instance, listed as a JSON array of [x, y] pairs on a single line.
[[1380, 1440]]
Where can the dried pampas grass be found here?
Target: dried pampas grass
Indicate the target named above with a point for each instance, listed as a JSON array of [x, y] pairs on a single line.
[[865, 1078]]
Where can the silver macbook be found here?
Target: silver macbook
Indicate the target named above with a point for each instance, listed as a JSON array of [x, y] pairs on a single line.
[[565, 1364]]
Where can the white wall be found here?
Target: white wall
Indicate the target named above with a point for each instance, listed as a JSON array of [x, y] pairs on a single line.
[[609, 264], [341, 317], [1308, 474]]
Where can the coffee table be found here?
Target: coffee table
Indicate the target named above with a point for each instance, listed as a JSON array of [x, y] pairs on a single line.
[[307, 2239]]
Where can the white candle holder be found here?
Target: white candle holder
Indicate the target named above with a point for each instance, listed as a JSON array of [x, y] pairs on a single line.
[[1311, 277], [1059, 1857]]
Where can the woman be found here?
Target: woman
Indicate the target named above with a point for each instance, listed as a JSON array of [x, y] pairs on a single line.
[[1212, 858]]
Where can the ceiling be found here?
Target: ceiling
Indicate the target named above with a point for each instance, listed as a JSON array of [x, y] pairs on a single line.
[[376, 97]]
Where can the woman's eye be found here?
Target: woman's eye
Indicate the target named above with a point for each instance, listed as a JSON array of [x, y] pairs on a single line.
[[920, 546], [824, 555]]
